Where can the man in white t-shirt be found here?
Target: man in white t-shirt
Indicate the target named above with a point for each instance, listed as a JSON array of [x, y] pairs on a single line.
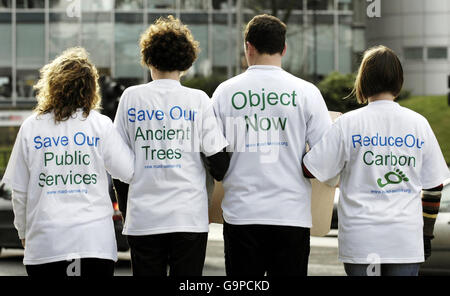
[[268, 116]]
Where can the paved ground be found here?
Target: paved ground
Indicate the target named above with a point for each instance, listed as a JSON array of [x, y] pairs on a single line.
[[323, 258]]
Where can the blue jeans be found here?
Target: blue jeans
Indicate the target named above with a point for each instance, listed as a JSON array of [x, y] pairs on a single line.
[[407, 269]]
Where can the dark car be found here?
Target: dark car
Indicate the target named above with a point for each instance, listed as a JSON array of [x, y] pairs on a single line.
[[8, 233]]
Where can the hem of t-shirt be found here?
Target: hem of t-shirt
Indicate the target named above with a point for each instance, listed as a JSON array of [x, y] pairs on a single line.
[[222, 146], [14, 185], [439, 181], [22, 234], [294, 223], [382, 260], [72, 256], [314, 172], [151, 231]]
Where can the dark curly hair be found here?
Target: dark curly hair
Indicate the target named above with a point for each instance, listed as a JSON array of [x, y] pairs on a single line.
[[168, 45]]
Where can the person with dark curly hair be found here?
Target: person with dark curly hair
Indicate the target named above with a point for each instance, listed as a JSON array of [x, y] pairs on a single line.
[[57, 171], [169, 127]]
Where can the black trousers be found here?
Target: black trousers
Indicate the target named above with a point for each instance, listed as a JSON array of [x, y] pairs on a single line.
[[255, 250], [183, 252], [85, 267]]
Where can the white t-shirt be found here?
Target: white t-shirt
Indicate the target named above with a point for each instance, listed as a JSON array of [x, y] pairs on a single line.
[[386, 154], [61, 168], [268, 116], [167, 126]]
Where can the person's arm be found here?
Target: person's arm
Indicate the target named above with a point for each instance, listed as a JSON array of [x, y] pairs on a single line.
[[431, 201], [19, 201], [17, 175], [318, 118], [118, 158], [327, 158], [121, 190], [433, 174], [217, 164], [213, 143], [119, 162], [120, 124], [306, 172]]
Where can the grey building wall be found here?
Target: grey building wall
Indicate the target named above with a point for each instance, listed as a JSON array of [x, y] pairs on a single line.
[[419, 31]]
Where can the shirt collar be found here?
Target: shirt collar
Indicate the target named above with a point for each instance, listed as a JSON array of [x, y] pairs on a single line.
[[263, 67], [166, 82], [383, 103]]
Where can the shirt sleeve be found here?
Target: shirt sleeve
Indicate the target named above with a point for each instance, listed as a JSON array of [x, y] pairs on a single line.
[[213, 140], [327, 158], [434, 168], [117, 155], [318, 120], [216, 109], [19, 201], [17, 174], [120, 121]]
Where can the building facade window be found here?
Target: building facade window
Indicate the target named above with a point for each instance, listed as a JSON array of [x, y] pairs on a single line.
[[5, 4], [437, 53], [5, 57], [414, 53], [161, 4], [127, 31], [64, 33], [30, 4], [127, 5], [97, 5], [30, 52]]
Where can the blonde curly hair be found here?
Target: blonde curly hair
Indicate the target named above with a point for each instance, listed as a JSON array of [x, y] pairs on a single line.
[[68, 83], [168, 45]]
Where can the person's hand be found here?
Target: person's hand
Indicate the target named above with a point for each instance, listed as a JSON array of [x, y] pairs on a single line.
[[23, 243], [427, 246]]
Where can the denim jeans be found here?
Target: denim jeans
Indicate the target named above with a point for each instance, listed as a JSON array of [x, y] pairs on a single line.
[[407, 269]]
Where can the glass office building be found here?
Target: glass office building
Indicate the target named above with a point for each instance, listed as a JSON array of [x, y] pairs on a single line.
[[323, 36], [419, 31]]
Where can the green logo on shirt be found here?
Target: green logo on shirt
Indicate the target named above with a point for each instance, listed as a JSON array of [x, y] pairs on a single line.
[[393, 177]]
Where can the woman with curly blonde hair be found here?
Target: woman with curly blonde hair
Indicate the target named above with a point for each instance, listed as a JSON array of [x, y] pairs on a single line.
[[168, 126], [57, 171], [69, 83]]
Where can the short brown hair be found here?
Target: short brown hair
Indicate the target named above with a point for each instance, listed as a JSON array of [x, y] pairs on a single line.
[[168, 45], [380, 71], [266, 33], [68, 83]]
